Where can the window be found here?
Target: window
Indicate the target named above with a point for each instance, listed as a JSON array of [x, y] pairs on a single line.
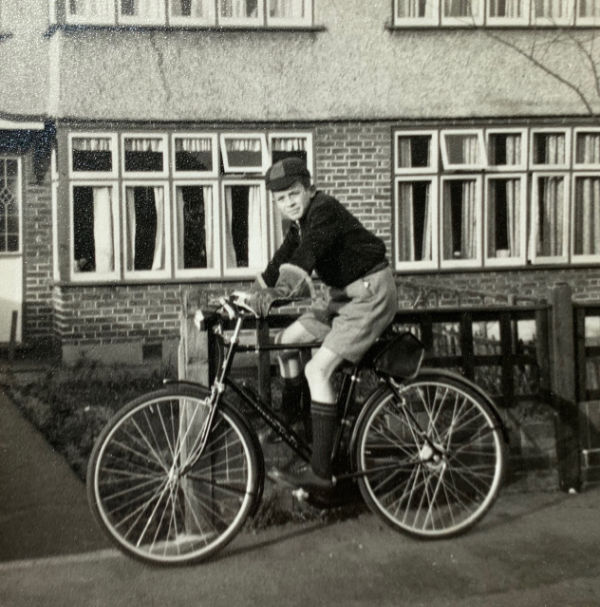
[[184, 13], [180, 205], [500, 196], [10, 212], [495, 13]]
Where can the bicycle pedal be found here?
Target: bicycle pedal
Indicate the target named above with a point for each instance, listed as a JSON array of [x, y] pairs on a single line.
[[300, 494]]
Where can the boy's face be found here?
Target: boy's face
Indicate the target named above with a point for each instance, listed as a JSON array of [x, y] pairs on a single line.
[[293, 201]]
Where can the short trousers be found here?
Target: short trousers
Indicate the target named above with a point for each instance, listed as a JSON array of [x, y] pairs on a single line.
[[352, 318]]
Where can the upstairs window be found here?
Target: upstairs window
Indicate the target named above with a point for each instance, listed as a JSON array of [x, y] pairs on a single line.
[[241, 12], [289, 12], [101, 12], [462, 12], [244, 153], [142, 12], [192, 12], [417, 12], [463, 149], [145, 155], [553, 12], [196, 155], [93, 155], [508, 12]]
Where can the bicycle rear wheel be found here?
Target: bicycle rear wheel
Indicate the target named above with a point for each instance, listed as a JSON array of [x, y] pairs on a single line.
[[157, 493], [433, 458]]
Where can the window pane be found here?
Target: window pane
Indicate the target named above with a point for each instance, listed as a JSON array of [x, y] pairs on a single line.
[[510, 9], [92, 154], [462, 149], [504, 212], [460, 219], [288, 9], [505, 149], [243, 153], [93, 229], [239, 9], [550, 216], [414, 151], [587, 216], [194, 227], [468, 9], [144, 10], [414, 237], [243, 229], [195, 9], [284, 147], [9, 206], [144, 154], [145, 227], [549, 148], [587, 148], [416, 9], [193, 154], [94, 10], [553, 9], [589, 8]]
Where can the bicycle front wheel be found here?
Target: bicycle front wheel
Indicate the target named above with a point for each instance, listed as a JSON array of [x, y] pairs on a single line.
[[431, 458], [158, 493]]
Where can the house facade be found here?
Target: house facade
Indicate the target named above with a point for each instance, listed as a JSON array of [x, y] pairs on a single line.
[[135, 136]]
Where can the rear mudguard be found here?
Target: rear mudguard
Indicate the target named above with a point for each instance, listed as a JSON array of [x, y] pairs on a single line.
[[203, 390], [425, 373]]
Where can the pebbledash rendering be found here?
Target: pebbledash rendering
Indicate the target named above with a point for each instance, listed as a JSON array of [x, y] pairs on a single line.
[[135, 136]]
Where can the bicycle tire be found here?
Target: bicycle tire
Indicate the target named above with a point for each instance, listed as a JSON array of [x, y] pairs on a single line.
[[434, 487], [142, 496]]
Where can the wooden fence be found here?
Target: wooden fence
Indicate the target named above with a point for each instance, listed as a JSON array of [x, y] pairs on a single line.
[[516, 352]]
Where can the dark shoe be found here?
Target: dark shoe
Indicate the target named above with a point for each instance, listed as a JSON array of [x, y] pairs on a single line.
[[303, 477]]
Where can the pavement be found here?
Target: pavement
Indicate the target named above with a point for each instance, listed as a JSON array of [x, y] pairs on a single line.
[[532, 549]]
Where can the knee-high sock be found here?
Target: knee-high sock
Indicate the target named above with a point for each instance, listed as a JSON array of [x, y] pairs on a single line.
[[324, 425]]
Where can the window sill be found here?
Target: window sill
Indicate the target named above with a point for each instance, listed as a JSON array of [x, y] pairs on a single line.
[[475, 27], [75, 28]]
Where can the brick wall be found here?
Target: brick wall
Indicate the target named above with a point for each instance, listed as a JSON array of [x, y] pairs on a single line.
[[37, 255]]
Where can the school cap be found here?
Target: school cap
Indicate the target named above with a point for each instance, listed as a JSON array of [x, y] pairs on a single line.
[[284, 173]]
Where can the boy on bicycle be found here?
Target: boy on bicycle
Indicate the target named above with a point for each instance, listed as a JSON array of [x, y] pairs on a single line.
[[361, 302]]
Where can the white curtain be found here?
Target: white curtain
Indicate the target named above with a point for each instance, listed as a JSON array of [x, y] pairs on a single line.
[[92, 9], [131, 227], [513, 149], [286, 9], [255, 235], [195, 144], [407, 236], [239, 144], [589, 8], [143, 145], [461, 8], [208, 224], [554, 151], [288, 144], [587, 216], [506, 8], [103, 230], [470, 149], [91, 144]]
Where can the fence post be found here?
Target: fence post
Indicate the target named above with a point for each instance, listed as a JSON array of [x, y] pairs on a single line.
[[562, 383]]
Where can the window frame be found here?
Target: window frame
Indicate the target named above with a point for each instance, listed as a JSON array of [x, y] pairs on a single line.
[[434, 149], [508, 21], [230, 169], [473, 262], [463, 21], [196, 174], [534, 166], [434, 224], [20, 204], [78, 277], [136, 275], [582, 166], [586, 21], [449, 166], [250, 271], [146, 174], [533, 233], [520, 260], [73, 174], [307, 21], [216, 267], [291, 135], [211, 20], [509, 167], [258, 21], [579, 258]]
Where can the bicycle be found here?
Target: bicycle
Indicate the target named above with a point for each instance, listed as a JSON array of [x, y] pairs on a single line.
[[175, 473]]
